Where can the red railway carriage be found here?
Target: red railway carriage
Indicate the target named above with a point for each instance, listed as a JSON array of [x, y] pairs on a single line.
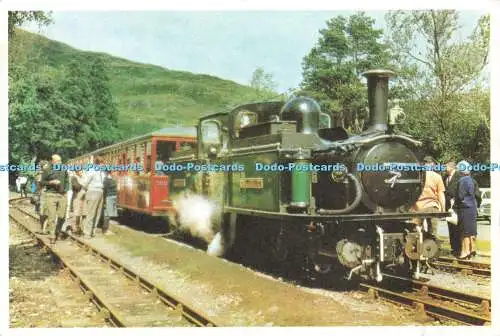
[[146, 190]]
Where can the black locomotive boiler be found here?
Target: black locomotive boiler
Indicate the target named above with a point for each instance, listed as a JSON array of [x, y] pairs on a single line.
[[292, 195]]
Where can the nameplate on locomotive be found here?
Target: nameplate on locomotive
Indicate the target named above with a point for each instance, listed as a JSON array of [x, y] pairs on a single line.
[[179, 183], [252, 183]]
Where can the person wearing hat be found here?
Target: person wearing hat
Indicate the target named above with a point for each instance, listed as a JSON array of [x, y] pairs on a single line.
[[56, 184], [466, 208], [432, 197]]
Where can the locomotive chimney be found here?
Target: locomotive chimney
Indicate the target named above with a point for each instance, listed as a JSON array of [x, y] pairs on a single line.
[[378, 89]]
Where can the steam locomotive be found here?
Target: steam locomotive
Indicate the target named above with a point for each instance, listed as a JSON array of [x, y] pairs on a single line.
[[349, 218]]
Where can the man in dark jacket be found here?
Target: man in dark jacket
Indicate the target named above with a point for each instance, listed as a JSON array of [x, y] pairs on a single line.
[[109, 202], [56, 184]]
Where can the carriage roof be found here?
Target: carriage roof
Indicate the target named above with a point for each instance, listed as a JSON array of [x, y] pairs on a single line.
[[174, 132]]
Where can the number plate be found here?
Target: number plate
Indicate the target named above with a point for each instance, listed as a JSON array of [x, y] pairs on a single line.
[[252, 183]]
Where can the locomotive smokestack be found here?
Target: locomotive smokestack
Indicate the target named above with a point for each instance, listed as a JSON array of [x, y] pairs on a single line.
[[378, 89]]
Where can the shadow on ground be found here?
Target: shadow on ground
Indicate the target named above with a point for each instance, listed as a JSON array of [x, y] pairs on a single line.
[[27, 261], [252, 252]]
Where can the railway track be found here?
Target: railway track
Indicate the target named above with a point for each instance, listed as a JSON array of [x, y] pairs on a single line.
[[433, 301], [29, 263], [436, 302], [123, 297], [466, 267]]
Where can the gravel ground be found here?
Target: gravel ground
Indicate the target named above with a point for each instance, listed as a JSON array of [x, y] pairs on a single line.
[[461, 283], [236, 296], [39, 295]]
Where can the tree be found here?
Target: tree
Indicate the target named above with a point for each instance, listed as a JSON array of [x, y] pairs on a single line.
[[332, 69], [263, 83], [66, 109], [23, 91], [32, 129], [443, 75], [18, 18]]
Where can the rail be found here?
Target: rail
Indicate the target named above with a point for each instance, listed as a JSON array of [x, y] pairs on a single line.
[[467, 267], [434, 301], [192, 315]]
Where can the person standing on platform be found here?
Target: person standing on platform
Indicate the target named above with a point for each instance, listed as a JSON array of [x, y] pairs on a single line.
[[93, 183], [41, 193], [78, 200], [451, 185], [466, 209], [18, 184], [109, 202], [432, 198], [56, 184], [23, 181]]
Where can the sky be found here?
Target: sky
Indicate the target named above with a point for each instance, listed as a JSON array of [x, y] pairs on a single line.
[[226, 44]]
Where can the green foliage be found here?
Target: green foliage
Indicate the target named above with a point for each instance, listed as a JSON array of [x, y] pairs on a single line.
[[74, 112], [263, 82], [18, 18], [60, 111], [66, 109], [447, 98], [332, 69]]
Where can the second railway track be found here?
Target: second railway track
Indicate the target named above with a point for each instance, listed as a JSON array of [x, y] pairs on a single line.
[[126, 299], [435, 301], [467, 267]]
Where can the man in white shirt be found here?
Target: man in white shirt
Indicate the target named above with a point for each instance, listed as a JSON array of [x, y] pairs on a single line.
[[23, 180], [18, 184]]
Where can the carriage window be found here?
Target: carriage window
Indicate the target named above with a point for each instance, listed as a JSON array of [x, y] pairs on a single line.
[[164, 150], [325, 121], [210, 132]]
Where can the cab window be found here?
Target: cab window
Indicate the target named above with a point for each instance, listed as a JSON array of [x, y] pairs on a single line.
[[185, 146], [211, 133], [325, 121]]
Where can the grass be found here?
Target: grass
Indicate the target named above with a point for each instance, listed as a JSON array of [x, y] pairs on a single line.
[[148, 97]]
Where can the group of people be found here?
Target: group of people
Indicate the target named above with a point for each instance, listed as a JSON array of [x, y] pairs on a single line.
[[457, 190], [75, 201]]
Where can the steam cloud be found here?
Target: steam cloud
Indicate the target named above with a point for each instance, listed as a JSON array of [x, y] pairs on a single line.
[[196, 215], [215, 248]]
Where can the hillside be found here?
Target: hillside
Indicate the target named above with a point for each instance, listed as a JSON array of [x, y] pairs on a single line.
[[148, 97]]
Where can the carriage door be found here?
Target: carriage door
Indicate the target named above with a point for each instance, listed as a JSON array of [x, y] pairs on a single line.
[[160, 194], [212, 144]]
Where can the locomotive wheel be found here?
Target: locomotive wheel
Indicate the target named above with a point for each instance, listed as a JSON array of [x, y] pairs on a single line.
[[430, 248]]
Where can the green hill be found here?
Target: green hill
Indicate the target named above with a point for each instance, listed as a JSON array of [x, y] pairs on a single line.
[[148, 97]]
